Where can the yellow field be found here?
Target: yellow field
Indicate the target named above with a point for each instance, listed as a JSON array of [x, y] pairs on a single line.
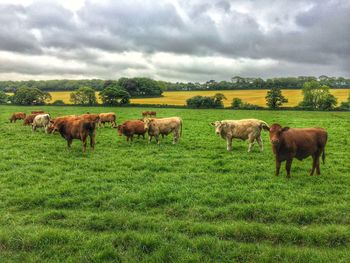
[[179, 97]]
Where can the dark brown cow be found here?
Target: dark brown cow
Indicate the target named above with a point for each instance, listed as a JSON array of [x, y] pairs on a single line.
[[145, 114], [28, 120], [17, 116], [289, 143], [130, 128], [76, 128], [38, 112]]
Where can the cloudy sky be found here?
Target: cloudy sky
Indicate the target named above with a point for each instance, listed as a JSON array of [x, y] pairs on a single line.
[[175, 40]]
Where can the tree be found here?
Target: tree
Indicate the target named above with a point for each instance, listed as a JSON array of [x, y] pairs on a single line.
[[218, 100], [83, 96], [142, 87], [274, 98], [114, 95], [236, 103], [345, 105], [317, 97], [30, 96], [3, 97]]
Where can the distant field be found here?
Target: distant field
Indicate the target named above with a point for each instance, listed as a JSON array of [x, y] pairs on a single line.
[[191, 202], [252, 96]]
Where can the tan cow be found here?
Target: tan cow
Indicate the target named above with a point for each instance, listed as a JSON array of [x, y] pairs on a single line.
[[246, 129], [41, 121], [164, 126], [108, 117]]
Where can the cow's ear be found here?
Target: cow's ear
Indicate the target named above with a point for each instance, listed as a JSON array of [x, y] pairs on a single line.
[[212, 123], [285, 129]]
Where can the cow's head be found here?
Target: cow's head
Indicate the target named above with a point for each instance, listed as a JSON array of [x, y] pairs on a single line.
[[148, 123], [219, 126], [276, 131], [120, 129]]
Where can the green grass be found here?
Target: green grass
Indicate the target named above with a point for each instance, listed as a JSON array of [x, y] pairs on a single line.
[[185, 203]]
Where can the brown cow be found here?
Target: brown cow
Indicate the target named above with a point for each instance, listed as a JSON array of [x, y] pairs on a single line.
[[129, 128], [108, 117], [17, 116], [76, 128], [289, 143], [91, 117], [152, 113], [38, 112], [28, 120], [145, 113], [54, 122]]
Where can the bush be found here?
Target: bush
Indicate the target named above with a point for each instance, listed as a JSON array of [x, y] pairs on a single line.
[[317, 97], [114, 95], [205, 102], [30, 96], [236, 103], [3, 97], [58, 102], [83, 96], [345, 105]]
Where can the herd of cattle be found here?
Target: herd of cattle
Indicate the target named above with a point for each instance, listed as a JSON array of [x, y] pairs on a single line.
[[287, 143]]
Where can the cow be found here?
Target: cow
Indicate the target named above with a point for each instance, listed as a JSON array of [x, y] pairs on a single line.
[[145, 114], [76, 128], [288, 143], [152, 113], [38, 112], [28, 120], [246, 129], [164, 126], [108, 117], [41, 120], [55, 121], [91, 117], [130, 128], [17, 116]]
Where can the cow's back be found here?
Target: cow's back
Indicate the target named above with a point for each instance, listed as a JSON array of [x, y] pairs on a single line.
[[241, 129], [304, 142]]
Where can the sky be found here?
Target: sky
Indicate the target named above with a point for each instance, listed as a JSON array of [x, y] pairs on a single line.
[[173, 40]]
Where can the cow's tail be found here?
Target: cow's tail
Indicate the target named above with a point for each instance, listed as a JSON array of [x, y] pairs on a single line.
[[264, 125], [324, 150], [181, 127], [323, 155]]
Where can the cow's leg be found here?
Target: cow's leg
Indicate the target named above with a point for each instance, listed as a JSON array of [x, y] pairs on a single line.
[[176, 136], [313, 165], [69, 142], [251, 140], [229, 143], [83, 140], [318, 171], [143, 136], [127, 138], [288, 166], [259, 141], [92, 141], [138, 136], [132, 137], [278, 166], [157, 138], [33, 128]]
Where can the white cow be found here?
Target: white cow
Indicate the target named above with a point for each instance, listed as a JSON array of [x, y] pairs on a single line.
[[246, 129], [41, 121]]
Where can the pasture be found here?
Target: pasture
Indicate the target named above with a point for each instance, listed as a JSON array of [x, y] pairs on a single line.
[[256, 97], [194, 201]]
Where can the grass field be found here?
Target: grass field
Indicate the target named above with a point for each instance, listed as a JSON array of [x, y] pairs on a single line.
[[251, 96], [189, 202]]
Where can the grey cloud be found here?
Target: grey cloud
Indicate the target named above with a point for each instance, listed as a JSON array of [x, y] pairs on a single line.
[[305, 36]]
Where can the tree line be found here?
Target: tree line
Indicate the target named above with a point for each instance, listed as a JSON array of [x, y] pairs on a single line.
[[315, 97], [142, 87]]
